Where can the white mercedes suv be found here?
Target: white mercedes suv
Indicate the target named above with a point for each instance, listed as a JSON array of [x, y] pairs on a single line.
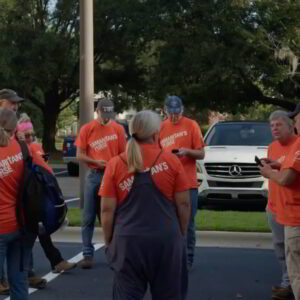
[[228, 172]]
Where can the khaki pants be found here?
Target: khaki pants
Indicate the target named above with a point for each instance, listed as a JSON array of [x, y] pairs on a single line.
[[292, 252]]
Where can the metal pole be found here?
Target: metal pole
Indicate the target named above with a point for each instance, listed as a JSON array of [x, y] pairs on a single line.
[[86, 74]]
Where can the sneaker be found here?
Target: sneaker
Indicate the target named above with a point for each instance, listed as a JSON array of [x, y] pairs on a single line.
[[4, 287], [282, 293], [64, 266], [87, 262], [37, 282]]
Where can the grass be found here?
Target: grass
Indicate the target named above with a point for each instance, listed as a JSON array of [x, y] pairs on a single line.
[[211, 220]]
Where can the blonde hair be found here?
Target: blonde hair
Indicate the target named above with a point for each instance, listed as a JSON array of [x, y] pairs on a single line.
[[141, 127], [8, 122], [24, 118]]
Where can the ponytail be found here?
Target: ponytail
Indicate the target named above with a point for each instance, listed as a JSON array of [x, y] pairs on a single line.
[[134, 156], [3, 137], [8, 122]]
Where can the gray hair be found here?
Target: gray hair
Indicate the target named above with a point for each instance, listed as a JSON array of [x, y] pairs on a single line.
[[8, 123], [283, 115], [142, 126]]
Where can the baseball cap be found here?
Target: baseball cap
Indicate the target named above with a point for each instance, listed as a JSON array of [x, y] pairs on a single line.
[[173, 105], [106, 107], [10, 95], [295, 112]]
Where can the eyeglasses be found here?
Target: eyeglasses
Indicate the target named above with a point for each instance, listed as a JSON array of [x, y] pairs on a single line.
[[28, 135]]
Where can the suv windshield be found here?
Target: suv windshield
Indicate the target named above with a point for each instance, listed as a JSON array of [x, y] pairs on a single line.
[[239, 134]]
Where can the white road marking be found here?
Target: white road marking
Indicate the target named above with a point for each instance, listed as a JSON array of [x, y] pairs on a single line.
[[61, 172], [72, 200], [51, 276]]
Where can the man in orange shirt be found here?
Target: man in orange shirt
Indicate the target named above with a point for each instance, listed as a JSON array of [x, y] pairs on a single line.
[[284, 138], [183, 137], [288, 206], [98, 141]]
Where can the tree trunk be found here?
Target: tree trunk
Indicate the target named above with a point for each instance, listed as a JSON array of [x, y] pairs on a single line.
[[50, 114]]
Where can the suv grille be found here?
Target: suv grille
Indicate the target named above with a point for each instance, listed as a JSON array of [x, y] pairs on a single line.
[[232, 170]]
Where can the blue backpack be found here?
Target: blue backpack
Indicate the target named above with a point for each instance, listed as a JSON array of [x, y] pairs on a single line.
[[42, 208]]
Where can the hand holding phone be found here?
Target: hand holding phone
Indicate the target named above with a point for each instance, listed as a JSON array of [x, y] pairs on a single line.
[[257, 160]]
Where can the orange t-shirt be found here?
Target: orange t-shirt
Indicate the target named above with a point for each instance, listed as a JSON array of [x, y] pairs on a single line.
[[277, 151], [288, 208], [185, 134], [37, 148], [167, 174], [101, 141], [11, 174]]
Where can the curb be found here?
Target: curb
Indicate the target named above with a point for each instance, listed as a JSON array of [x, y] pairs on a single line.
[[253, 240]]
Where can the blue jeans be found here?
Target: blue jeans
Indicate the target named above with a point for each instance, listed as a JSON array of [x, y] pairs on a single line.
[[191, 234], [16, 250], [278, 244], [91, 187]]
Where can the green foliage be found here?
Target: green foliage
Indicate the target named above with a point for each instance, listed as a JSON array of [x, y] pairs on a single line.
[[221, 54], [211, 220]]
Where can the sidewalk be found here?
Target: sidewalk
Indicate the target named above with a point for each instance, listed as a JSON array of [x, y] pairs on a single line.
[[224, 239]]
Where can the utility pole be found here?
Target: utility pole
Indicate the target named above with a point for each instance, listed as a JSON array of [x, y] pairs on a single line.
[[86, 113]]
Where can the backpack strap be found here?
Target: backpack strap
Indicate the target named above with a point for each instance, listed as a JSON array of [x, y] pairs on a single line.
[[24, 149], [156, 159]]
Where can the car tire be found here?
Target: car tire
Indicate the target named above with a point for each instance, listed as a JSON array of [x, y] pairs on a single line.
[[73, 169]]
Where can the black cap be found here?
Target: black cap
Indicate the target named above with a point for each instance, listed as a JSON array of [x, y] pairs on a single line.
[[295, 112], [106, 107], [10, 95]]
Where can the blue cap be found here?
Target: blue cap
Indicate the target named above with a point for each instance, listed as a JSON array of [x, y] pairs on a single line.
[[173, 105]]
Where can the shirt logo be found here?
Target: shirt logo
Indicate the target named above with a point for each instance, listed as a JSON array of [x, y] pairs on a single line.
[[100, 144], [297, 155], [5, 164], [170, 140]]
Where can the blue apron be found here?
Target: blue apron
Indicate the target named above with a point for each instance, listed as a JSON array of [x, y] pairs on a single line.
[[147, 245]]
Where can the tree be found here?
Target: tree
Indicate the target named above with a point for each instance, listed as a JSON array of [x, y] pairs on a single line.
[[39, 54], [225, 54]]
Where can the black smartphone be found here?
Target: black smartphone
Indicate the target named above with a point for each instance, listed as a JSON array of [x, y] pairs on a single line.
[[257, 160], [175, 150]]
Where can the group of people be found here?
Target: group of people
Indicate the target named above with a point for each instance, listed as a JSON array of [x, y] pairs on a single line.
[[148, 198], [144, 191], [282, 168], [16, 247]]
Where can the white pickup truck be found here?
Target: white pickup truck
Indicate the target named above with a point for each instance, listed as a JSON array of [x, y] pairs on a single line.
[[228, 172]]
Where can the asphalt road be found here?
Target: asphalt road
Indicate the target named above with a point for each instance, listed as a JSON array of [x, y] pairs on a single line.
[[218, 274]]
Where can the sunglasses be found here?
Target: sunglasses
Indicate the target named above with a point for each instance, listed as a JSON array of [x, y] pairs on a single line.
[[28, 135]]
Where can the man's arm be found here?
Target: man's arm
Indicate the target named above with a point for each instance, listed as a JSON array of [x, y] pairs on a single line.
[[108, 208], [192, 153], [82, 156], [284, 177], [182, 203]]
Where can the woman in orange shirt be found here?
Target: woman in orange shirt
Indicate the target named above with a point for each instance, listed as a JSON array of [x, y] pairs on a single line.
[[144, 212], [13, 247], [58, 264]]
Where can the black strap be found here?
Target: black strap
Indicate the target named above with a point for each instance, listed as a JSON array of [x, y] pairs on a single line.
[[24, 149], [157, 158]]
